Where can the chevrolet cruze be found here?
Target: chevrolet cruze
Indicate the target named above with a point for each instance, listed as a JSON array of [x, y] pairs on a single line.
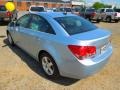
[[63, 43]]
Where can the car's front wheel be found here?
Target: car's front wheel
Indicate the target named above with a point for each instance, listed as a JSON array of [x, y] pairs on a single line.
[[11, 42], [49, 66]]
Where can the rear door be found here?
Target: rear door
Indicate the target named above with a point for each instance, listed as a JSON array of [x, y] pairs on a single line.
[[19, 30], [36, 34]]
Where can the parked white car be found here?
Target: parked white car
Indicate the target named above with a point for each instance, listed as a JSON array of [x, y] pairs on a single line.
[[108, 14], [117, 13]]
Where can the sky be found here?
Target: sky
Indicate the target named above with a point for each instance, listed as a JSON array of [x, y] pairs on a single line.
[[104, 1]]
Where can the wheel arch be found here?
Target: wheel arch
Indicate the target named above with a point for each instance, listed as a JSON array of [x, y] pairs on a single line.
[[44, 51]]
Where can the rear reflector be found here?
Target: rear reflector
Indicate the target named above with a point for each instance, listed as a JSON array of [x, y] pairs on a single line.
[[115, 14], [82, 52]]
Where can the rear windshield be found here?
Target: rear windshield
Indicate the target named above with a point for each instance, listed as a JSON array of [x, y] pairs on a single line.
[[117, 10], [109, 10], [90, 10], [76, 9], [65, 9], [2, 8], [75, 24], [37, 9]]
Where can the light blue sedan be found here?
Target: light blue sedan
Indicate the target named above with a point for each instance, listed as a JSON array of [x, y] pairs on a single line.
[[63, 43]]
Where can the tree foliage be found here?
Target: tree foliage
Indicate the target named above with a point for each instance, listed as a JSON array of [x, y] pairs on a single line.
[[98, 5]]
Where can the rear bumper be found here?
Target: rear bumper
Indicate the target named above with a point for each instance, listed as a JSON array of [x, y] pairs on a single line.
[[85, 68], [116, 18], [96, 18], [5, 18]]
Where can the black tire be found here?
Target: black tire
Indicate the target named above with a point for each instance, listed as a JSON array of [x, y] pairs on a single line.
[[116, 21], [108, 19], [98, 21], [55, 73], [10, 39]]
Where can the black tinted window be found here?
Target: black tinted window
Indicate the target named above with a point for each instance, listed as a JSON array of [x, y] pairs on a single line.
[[90, 10], [40, 24], [2, 8], [38, 9], [117, 10], [65, 9], [75, 24], [24, 21], [109, 10], [102, 10]]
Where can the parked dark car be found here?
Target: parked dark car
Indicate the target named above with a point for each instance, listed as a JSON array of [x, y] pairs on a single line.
[[90, 14], [6, 15]]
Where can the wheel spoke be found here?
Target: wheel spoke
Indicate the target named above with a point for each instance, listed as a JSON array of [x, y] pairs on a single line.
[[50, 70], [49, 64]]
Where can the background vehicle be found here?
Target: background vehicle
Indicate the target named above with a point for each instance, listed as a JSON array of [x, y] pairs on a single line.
[[64, 9], [90, 14], [117, 13], [62, 43], [34, 8], [7, 15], [76, 10], [108, 14]]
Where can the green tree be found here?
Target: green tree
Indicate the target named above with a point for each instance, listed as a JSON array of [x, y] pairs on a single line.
[[98, 5]]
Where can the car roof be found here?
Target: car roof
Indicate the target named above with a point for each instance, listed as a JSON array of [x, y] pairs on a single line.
[[36, 6], [54, 14]]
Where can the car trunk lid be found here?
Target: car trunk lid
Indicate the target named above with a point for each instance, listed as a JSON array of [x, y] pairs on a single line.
[[99, 38]]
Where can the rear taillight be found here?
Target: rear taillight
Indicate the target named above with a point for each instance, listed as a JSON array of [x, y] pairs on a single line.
[[115, 14], [8, 13], [82, 52]]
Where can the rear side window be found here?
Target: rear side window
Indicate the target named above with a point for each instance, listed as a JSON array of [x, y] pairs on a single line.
[[37, 9], [2, 8], [75, 24], [40, 24], [24, 21]]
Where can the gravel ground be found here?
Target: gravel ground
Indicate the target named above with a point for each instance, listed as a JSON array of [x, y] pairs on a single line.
[[18, 71]]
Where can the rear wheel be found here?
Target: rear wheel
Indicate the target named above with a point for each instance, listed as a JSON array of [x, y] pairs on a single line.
[[49, 66], [98, 21], [11, 42], [116, 21], [108, 19]]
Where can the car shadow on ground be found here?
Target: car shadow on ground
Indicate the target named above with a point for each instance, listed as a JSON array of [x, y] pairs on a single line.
[[4, 23], [2, 36], [35, 66]]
